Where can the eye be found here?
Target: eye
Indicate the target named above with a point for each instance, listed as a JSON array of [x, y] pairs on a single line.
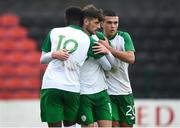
[[109, 23]]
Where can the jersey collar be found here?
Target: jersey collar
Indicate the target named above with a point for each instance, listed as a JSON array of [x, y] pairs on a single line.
[[113, 36], [75, 26]]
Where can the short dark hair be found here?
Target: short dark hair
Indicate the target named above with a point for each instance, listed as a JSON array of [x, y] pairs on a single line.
[[90, 11], [109, 13], [73, 15]]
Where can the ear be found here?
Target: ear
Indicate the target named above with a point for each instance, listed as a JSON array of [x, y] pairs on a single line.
[[86, 21]]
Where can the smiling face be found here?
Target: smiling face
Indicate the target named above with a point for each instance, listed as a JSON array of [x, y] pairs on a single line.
[[110, 25]]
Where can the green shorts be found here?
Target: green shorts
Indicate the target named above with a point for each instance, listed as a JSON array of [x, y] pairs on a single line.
[[94, 107], [123, 109], [58, 105]]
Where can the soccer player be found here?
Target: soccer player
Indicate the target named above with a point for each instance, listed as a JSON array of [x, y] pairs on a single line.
[[65, 49], [94, 100], [119, 87]]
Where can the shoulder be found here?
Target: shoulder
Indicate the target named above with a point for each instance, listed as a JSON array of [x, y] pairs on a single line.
[[58, 29], [83, 35], [100, 35], [128, 41], [53, 31], [123, 34]]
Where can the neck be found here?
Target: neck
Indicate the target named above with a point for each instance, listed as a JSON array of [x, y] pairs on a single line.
[[85, 30], [107, 35]]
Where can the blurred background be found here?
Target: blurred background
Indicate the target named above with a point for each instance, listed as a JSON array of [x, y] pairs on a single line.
[[154, 26]]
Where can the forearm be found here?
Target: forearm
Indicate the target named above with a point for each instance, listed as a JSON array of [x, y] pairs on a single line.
[[46, 57], [104, 63], [61, 55], [127, 57], [112, 60]]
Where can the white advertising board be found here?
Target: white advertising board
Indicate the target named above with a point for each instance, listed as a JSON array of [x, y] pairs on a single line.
[[149, 113]]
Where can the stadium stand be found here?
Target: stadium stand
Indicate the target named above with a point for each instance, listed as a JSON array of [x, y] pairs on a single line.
[[19, 65]]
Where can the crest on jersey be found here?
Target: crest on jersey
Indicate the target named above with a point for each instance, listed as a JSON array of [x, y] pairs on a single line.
[[83, 118]]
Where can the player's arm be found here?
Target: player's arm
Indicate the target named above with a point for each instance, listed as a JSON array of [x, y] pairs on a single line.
[[103, 61], [127, 55], [100, 58], [47, 54], [99, 48], [60, 55], [45, 57]]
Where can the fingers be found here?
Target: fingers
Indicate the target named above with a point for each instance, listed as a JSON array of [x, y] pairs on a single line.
[[99, 48], [96, 47], [98, 43], [104, 43], [64, 54], [98, 52], [65, 57], [61, 54]]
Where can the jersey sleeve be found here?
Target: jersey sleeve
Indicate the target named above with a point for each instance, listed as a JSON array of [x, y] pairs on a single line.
[[46, 47], [100, 35], [128, 41], [91, 52]]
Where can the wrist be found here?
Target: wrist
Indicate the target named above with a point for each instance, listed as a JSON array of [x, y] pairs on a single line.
[[53, 55], [108, 52]]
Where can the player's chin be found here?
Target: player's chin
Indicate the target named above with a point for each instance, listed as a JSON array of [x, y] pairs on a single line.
[[112, 32]]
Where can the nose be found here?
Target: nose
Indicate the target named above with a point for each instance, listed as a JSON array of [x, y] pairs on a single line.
[[112, 25]]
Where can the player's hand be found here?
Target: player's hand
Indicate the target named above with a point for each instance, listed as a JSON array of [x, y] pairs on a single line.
[[61, 55], [105, 43], [99, 48]]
